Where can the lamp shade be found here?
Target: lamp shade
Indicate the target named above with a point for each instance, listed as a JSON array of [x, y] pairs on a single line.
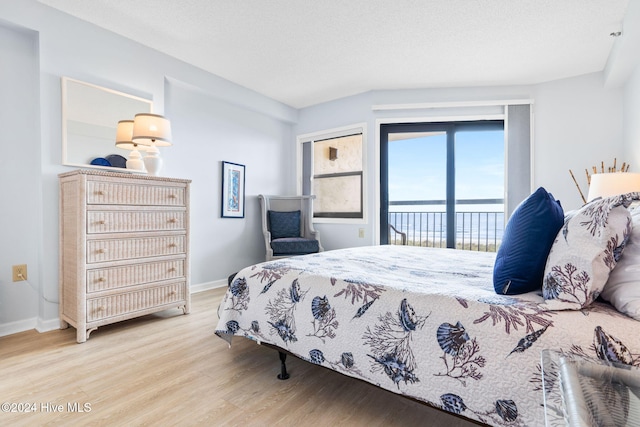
[[124, 135], [151, 129], [612, 184]]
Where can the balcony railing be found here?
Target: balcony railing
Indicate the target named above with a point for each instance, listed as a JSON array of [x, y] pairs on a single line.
[[475, 230]]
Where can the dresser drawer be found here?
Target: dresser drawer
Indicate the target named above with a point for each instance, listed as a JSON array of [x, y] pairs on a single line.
[[133, 221], [130, 302], [136, 247], [103, 279], [115, 193]]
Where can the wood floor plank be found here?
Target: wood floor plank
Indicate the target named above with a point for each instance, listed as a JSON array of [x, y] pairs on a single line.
[[170, 369]]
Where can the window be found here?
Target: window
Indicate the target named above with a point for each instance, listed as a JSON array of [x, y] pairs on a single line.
[[332, 170]]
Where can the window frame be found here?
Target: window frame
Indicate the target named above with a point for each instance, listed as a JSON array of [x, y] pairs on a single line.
[[357, 128]]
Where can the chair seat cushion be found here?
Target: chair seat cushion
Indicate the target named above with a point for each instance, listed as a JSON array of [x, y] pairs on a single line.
[[294, 246]]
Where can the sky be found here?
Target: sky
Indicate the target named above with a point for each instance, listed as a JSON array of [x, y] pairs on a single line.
[[417, 167]]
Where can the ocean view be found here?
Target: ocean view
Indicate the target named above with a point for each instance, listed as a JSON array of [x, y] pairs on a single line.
[[481, 225], [425, 169]]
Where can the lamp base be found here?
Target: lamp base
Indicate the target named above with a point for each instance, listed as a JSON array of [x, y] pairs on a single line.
[[152, 161], [135, 161]]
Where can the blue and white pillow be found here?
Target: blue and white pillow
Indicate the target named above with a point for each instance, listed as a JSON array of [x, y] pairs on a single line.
[[585, 251]]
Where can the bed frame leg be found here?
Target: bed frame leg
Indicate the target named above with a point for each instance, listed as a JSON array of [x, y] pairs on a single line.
[[283, 375]]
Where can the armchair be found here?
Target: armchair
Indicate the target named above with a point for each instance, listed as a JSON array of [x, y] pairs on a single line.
[[287, 226]]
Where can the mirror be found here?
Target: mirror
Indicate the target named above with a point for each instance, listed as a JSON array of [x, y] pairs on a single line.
[[90, 116]]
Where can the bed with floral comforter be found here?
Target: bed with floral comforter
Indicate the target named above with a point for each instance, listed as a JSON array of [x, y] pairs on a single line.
[[424, 323]]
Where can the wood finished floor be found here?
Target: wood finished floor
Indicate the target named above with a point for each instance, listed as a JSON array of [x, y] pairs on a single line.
[[169, 369]]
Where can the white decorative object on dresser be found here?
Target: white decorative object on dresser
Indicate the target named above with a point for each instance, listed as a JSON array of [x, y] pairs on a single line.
[[124, 247]]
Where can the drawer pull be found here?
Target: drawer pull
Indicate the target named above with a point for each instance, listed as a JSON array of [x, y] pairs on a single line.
[[101, 279], [172, 245], [101, 251], [172, 293], [172, 270], [173, 220], [173, 196], [100, 193], [101, 222]]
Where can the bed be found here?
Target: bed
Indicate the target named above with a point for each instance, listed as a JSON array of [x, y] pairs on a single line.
[[427, 324]]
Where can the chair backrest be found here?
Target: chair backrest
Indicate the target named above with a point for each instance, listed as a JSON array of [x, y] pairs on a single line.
[[304, 204]]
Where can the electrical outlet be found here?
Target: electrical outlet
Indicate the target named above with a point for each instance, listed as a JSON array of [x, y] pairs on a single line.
[[19, 272], [361, 233]]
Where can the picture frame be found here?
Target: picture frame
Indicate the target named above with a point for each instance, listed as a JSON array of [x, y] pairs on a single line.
[[233, 180]]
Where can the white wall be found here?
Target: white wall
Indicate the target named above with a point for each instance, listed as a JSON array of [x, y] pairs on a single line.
[[578, 124], [20, 191], [632, 120], [623, 71], [213, 120], [207, 131]]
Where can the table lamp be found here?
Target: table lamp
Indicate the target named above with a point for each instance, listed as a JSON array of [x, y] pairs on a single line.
[[124, 133], [152, 131]]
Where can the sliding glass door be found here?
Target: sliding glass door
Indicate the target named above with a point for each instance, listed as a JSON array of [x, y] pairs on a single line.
[[442, 184]]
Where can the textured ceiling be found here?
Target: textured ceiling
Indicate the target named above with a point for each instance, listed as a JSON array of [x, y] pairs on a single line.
[[304, 52]]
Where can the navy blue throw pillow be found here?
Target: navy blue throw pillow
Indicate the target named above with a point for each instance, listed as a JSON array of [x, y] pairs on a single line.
[[284, 224], [527, 240]]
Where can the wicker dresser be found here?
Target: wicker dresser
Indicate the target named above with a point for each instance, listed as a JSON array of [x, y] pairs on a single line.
[[124, 247]]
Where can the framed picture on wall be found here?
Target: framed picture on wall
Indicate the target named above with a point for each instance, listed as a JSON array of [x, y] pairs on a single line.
[[232, 190]]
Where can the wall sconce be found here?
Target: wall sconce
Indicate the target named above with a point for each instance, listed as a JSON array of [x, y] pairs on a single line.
[[153, 131], [333, 153], [124, 134]]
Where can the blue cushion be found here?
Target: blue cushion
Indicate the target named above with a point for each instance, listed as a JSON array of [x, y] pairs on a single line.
[[294, 246], [526, 243], [284, 224]]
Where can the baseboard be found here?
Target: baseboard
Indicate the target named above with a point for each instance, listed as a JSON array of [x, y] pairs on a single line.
[[47, 325], [201, 287], [18, 326], [53, 324]]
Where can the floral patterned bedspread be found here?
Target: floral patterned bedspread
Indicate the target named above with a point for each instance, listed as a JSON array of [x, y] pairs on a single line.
[[424, 323]]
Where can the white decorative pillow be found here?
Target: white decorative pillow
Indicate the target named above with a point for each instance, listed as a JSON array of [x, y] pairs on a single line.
[[623, 287], [585, 251]]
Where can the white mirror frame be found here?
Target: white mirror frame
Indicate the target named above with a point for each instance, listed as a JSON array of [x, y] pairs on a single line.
[[90, 116]]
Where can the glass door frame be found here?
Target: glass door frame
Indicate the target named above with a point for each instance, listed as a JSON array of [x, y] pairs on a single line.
[[450, 127]]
